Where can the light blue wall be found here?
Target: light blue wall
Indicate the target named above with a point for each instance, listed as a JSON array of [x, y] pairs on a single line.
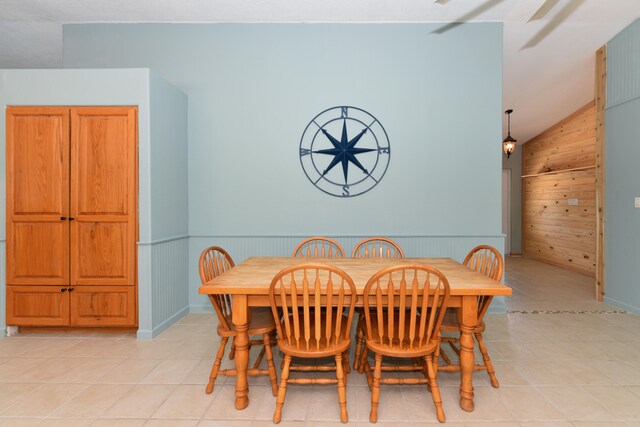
[[168, 249], [120, 87], [253, 88], [169, 154], [622, 228]]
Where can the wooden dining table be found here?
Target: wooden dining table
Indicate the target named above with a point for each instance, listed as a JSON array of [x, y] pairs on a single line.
[[248, 283]]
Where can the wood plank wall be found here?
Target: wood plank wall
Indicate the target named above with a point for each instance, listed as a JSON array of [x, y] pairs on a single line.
[[558, 165]]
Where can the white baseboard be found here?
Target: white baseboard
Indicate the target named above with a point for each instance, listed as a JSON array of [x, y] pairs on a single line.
[[145, 334]]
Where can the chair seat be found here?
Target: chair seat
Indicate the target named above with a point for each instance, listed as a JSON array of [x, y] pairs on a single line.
[[261, 323], [316, 349], [450, 322], [398, 348]]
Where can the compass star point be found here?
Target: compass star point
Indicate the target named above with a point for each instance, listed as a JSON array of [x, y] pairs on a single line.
[[344, 151]]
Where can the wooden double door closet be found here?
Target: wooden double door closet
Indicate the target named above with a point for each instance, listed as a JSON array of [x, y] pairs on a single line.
[[72, 226]]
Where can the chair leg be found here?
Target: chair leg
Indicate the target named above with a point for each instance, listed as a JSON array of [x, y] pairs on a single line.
[[435, 391], [342, 389], [345, 363], [363, 359], [216, 365], [232, 353], [375, 389], [271, 367], [260, 356], [367, 372], [436, 357], [282, 391], [487, 361], [359, 345]]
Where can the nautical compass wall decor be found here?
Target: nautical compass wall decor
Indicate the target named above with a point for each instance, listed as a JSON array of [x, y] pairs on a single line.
[[344, 151]]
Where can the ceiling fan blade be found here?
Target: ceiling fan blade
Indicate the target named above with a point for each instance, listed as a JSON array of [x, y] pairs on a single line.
[[564, 13], [469, 15], [441, 1], [543, 10]]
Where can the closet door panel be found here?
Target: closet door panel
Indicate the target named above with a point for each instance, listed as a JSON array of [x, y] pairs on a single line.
[[102, 251], [103, 195], [37, 195], [38, 253], [101, 157], [37, 305], [103, 306]]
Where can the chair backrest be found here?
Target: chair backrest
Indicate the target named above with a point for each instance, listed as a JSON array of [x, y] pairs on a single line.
[[488, 261], [377, 247], [213, 262], [411, 299], [307, 296], [318, 247]]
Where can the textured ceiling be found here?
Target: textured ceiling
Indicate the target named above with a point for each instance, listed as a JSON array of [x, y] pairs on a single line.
[[542, 83]]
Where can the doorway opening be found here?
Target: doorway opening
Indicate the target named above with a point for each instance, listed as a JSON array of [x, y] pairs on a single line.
[[506, 209]]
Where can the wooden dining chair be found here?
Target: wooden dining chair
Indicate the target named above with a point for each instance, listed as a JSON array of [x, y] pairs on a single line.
[[315, 303], [374, 247], [213, 262], [403, 309], [318, 247], [377, 247], [488, 261]]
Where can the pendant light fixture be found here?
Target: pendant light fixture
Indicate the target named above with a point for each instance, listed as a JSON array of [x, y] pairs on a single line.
[[509, 143]]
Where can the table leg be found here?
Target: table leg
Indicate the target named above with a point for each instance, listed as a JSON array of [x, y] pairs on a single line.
[[468, 320], [241, 316]]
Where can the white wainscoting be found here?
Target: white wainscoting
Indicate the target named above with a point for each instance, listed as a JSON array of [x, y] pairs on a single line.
[[163, 283], [623, 51]]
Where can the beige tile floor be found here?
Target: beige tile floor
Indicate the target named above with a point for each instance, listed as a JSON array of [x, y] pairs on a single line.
[[562, 359]]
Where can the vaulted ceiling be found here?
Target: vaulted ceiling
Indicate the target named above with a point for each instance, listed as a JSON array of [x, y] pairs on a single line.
[[548, 63]]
